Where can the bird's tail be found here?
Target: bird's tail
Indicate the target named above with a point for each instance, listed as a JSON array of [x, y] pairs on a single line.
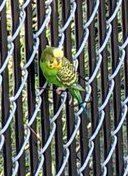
[[76, 94]]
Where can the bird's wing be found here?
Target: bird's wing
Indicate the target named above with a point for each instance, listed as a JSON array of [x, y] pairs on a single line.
[[67, 74]]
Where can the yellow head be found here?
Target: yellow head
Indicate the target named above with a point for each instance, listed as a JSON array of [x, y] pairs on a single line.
[[52, 57]]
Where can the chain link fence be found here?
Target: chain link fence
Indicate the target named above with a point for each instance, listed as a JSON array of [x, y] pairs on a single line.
[[40, 134]]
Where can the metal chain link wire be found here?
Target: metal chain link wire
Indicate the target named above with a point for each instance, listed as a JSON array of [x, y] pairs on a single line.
[[77, 114]]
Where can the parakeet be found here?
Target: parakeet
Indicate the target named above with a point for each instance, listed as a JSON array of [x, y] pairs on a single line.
[[59, 71]]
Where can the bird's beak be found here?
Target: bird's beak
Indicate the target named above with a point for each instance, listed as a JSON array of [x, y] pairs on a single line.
[[57, 64]]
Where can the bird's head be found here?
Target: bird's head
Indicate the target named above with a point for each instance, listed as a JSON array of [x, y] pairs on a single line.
[[52, 57]]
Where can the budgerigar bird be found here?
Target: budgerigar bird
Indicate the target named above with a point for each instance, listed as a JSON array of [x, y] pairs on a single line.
[[59, 71]]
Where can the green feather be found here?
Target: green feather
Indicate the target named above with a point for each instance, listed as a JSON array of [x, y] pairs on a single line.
[[76, 94], [50, 75]]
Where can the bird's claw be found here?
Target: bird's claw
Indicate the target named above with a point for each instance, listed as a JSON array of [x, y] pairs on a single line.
[[59, 90]]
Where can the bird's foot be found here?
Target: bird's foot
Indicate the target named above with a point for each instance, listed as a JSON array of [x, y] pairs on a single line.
[[59, 90]]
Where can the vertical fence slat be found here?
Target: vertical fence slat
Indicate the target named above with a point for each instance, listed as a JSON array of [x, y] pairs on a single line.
[[69, 110], [84, 122], [94, 103], [17, 77], [45, 105], [7, 149], [56, 98], [117, 91], [31, 85], [104, 83], [125, 35]]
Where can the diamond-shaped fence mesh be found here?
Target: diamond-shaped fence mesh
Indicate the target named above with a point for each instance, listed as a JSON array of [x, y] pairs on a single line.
[[40, 133]]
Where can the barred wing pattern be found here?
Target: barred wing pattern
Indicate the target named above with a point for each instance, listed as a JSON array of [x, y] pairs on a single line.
[[67, 74]]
